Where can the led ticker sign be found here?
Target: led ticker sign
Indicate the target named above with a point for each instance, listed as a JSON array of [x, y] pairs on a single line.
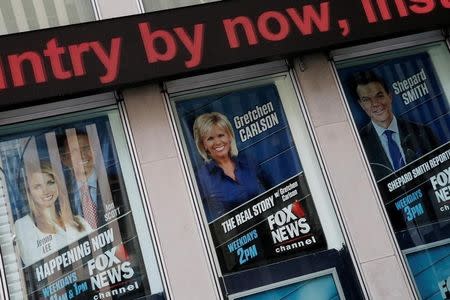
[[117, 53]]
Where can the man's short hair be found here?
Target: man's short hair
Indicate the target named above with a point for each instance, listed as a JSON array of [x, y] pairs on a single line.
[[365, 77], [61, 139]]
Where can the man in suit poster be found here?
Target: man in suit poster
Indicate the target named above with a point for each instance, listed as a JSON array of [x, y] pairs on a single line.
[[390, 142], [400, 108], [87, 187]]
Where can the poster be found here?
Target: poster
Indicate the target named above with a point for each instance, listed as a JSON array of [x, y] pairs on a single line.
[[69, 214], [400, 108], [413, 173], [251, 183]]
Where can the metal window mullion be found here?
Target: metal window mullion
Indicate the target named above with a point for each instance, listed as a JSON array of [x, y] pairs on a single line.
[[140, 6]]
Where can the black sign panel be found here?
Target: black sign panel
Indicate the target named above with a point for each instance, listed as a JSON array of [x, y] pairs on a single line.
[[279, 224], [418, 194], [118, 53]]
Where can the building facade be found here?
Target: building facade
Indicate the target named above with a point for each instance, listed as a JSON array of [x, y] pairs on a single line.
[[224, 150]]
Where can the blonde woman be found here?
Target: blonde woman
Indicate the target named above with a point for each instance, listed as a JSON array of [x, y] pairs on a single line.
[[226, 180], [50, 225]]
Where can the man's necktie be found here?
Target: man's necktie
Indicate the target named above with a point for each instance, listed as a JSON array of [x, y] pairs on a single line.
[[89, 207], [394, 151]]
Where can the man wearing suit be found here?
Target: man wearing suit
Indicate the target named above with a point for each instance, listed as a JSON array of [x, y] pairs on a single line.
[[89, 191], [390, 142], [97, 193]]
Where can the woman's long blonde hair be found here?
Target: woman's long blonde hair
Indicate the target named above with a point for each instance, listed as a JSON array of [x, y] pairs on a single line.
[[63, 210]]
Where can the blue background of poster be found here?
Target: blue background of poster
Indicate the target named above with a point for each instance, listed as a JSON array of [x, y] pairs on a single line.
[[320, 288], [12, 159], [429, 267], [273, 150], [431, 109]]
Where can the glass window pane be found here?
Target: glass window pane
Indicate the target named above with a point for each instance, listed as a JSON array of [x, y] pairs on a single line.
[[24, 15], [68, 223], [400, 104], [269, 221], [155, 5], [319, 286]]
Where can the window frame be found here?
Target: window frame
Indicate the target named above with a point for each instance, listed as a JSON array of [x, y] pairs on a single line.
[[229, 77], [359, 51], [108, 101]]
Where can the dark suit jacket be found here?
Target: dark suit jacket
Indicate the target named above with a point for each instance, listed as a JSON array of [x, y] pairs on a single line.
[[416, 140]]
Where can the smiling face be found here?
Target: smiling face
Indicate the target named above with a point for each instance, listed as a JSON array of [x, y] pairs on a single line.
[[84, 149], [376, 102], [43, 189], [217, 143]]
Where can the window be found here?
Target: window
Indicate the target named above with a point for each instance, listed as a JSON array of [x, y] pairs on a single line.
[[323, 285], [399, 101], [73, 225], [155, 5], [24, 15], [259, 189]]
